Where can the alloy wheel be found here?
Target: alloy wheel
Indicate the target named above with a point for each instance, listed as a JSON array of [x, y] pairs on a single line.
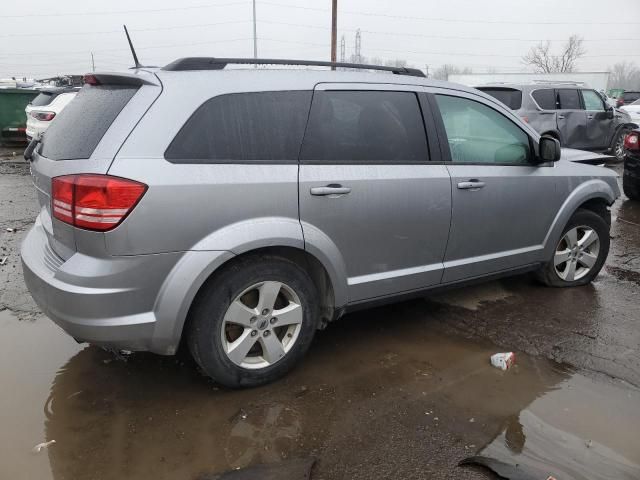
[[577, 253], [261, 325]]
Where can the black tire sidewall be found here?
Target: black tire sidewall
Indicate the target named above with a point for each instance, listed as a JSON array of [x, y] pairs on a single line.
[[592, 220], [205, 325]]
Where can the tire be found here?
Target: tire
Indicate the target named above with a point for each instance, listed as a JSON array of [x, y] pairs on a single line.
[[249, 285], [618, 145], [582, 221], [631, 188]]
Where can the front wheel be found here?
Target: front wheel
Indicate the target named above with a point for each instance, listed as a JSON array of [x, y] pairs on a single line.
[[580, 253], [253, 322]]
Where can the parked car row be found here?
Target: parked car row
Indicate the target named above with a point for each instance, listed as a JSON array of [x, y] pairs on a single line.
[[241, 210], [577, 116]]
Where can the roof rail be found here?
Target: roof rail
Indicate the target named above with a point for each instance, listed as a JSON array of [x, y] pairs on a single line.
[[559, 82], [212, 63]]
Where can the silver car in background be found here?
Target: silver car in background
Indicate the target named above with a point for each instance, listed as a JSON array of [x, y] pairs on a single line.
[[578, 116], [240, 210]]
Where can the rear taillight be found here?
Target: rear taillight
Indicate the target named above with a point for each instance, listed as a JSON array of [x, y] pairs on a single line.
[[620, 102], [632, 141], [94, 202], [90, 79], [43, 116], [525, 119]]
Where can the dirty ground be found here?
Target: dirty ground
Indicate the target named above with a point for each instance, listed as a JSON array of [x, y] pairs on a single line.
[[402, 391]]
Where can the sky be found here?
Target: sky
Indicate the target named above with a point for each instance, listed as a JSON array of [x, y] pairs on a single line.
[[41, 38]]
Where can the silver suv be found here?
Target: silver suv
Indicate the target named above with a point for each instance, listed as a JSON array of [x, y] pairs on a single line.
[[240, 210], [576, 115]]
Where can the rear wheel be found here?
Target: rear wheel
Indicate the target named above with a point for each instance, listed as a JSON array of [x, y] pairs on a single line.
[[580, 253], [253, 322], [618, 146]]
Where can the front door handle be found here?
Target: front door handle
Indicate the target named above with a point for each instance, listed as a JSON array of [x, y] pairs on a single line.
[[332, 189], [561, 117], [472, 184], [590, 117]]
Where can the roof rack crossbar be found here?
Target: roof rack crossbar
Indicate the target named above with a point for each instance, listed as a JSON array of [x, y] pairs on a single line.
[[212, 63]]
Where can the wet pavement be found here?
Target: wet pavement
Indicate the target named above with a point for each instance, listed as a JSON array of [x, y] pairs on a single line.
[[402, 391]]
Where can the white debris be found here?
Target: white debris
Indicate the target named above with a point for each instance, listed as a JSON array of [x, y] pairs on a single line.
[[4, 260], [41, 446], [503, 361]]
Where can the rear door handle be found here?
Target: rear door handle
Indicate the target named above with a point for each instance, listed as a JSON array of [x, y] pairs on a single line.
[[590, 117], [472, 184], [332, 189], [561, 116]]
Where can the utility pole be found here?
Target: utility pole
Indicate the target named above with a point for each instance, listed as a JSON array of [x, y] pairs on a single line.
[[427, 70], [358, 47], [334, 29], [93, 64], [255, 38], [342, 49]]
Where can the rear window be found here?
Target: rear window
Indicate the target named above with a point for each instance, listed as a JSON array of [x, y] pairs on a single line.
[[511, 97], [77, 130], [569, 99], [365, 127], [45, 98], [545, 98], [630, 97], [260, 126]]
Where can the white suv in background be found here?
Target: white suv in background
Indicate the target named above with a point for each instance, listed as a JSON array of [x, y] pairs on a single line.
[[44, 108]]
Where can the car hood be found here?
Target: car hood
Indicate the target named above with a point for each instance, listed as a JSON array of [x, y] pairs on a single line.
[[582, 156]]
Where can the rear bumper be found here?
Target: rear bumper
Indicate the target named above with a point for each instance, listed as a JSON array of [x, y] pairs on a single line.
[[104, 301]]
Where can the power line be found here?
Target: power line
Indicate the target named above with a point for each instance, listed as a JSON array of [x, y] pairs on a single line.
[[118, 12], [442, 19]]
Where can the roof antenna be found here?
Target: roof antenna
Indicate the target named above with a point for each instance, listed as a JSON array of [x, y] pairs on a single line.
[[133, 50]]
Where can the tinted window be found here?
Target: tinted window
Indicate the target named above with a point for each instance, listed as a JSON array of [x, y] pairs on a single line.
[[592, 101], [45, 98], [510, 97], [630, 97], [569, 99], [545, 98], [479, 134], [262, 126], [365, 126], [77, 130]]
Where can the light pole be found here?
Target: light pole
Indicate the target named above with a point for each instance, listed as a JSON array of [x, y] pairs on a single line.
[[255, 38]]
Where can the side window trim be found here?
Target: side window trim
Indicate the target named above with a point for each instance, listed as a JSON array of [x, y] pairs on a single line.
[[429, 119], [365, 87], [443, 139]]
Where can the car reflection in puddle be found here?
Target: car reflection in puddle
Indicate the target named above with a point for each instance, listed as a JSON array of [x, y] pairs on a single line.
[[374, 398]]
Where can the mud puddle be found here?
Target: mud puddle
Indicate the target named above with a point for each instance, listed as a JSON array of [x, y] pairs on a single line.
[[382, 394]]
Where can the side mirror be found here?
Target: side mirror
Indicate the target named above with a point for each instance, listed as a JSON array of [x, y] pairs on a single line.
[[610, 113], [549, 149]]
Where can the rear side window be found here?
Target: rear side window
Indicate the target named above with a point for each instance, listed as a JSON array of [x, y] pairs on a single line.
[[77, 130], [545, 98], [511, 97], [569, 99], [630, 97], [365, 127], [260, 126], [45, 98]]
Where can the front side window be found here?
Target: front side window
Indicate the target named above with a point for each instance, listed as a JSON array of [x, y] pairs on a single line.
[[240, 127], [545, 98], [569, 99], [365, 126], [592, 101], [477, 133]]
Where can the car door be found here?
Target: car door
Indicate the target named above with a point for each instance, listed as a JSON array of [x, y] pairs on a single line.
[[503, 204], [571, 118], [599, 126], [371, 188]]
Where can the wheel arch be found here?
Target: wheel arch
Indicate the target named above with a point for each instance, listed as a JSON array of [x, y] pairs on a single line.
[[595, 195]]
